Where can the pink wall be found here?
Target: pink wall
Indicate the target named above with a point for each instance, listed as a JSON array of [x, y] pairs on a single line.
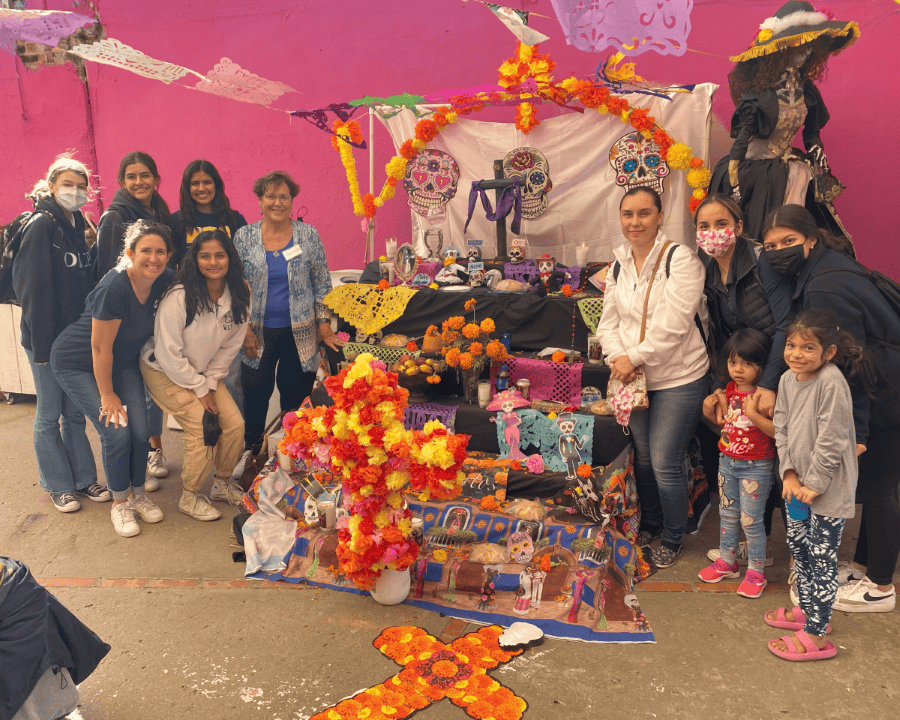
[[332, 52]]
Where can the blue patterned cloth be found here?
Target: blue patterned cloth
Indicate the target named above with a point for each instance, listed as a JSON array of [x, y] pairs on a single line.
[[309, 281]]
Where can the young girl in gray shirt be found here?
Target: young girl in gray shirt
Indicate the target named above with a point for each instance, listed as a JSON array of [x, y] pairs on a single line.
[[816, 442]]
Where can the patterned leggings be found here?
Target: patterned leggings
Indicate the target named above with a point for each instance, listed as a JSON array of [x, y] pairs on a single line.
[[814, 545]]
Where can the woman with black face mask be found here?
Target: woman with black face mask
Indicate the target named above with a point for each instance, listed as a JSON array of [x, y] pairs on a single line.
[[826, 277]]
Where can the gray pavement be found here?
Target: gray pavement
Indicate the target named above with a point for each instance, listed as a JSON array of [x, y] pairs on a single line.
[[187, 642]]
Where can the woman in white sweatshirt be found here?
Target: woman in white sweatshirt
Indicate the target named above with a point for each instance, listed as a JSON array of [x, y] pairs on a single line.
[[200, 325], [672, 353]]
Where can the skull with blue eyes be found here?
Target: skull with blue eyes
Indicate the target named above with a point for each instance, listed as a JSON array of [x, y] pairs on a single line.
[[637, 162], [531, 165]]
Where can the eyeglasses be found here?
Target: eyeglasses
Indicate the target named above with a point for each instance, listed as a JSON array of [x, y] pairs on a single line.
[[281, 198]]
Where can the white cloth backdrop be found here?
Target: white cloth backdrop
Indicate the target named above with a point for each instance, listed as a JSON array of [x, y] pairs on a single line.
[[583, 204]]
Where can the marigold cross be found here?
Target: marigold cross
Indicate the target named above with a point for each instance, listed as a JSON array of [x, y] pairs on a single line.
[[433, 671]]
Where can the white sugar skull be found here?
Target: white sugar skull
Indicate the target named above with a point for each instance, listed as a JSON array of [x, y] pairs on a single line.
[[587, 487], [311, 511], [521, 547], [637, 162], [517, 255], [473, 253], [531, 165], [476, 279], [431, 181]]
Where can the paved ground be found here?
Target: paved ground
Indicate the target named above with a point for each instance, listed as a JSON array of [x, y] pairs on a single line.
[[190, 637]]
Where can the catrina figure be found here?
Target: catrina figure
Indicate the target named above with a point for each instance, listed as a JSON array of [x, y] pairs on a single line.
[[773, 89]]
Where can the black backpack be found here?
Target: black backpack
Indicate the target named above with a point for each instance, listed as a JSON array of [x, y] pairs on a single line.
[[10, 243]]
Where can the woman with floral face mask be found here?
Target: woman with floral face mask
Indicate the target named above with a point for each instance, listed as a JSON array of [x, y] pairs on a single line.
[[742, 291], [52, 276]]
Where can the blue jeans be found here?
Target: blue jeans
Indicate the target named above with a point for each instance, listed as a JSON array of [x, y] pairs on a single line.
[[233, 383], [124, 449], [814, 544], [154, 416], [64, 457], [661, 435], [744, 487]]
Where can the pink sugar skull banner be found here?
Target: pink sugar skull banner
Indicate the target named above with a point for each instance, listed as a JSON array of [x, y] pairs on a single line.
[[631, 27]]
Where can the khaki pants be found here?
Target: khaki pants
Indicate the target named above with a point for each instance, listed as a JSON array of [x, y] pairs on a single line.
[[183, 404]]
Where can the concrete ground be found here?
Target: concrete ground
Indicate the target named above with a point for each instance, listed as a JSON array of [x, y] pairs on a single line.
[[191, 638]]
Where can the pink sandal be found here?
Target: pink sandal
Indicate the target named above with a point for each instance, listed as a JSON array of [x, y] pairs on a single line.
[[783, 623], [812, 650]]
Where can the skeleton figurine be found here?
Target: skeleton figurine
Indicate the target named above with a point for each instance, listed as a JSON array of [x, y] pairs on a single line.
[[570, 445], [452, 274], [473, 253], [548, 277], [517, 255]]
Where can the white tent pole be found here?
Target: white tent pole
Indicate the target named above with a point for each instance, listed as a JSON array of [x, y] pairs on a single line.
[[370, 237]]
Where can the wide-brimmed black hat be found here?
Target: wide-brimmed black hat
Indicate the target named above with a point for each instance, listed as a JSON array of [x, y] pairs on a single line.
[[797, 23]]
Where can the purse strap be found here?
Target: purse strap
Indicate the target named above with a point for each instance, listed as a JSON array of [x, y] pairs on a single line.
[[650, 287]]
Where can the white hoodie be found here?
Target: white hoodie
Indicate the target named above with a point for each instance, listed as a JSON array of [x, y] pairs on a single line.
[[673, 352], [195, 357]]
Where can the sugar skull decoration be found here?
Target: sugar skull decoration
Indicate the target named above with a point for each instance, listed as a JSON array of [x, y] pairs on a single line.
[[637, 162], [517, 255], [531, 165], [311, 511], [431, 181], [473, 253], [521, 548]]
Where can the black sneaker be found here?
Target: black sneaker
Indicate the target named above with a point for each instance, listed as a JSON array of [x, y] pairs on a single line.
[[95, 492], [65, 502], [664, 557], [647, 536]]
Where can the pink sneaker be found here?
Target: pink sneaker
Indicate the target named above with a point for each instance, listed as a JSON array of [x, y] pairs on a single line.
[[753, 585], [719, 570]]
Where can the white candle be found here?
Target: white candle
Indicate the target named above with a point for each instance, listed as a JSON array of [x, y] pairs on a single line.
[[285, 461], [484, 393], [581, 255], [390, 247]]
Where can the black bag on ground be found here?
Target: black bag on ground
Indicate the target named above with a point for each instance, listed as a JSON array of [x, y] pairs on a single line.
[[259, 454]]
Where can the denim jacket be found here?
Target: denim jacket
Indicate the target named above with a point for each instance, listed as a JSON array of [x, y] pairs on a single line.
[[309, 281]]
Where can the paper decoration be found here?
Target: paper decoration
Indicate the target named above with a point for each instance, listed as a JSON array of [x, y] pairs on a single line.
[[229, 80], [398, 102], [46, 27], [319, 118], [632, 27], [118, 54], [431, 180], [517, 22]]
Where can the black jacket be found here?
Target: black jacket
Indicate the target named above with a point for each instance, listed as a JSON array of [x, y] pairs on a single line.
[[123, 211], [52, 276], [755, 296], [863, 311]]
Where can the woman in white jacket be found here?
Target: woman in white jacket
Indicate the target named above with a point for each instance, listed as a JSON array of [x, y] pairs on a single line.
[[200, 325], [673, 355]]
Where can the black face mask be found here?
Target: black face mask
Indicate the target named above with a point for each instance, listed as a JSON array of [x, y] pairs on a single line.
[[211, 429], [788, 261]]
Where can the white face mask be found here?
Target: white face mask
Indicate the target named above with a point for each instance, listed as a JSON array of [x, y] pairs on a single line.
[[71, 198]]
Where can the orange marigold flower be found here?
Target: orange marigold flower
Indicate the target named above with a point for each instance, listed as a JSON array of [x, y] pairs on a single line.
[[455, 323], [407, 150], [449, 336], [488, 503], [546, 566], [558, 356], [411, 346], [584, 470], [641, 119], [476, 348], [617, 105], [426, 130], [383, 284], [516, 465], [471, 331], [470, 303], [452, 357], [693, 205], [487, 326], [567, 290], [697, 162], [368, 205], [431, 330], [466, 360], [496, 350]]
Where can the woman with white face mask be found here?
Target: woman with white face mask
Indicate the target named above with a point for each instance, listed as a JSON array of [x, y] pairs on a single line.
[[742, 291], [52, 276]]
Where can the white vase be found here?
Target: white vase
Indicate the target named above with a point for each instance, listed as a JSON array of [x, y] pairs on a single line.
[[391, 587]]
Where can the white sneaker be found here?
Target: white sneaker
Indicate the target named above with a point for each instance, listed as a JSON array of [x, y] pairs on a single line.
[[742, 553], [230, 492], [151, 484], [123, 520], [198, 507], [863, 596], [242, 463], [156, 464], [146, 510], [848, 573]]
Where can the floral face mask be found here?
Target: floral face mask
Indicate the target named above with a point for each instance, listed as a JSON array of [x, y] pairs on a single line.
[[716, 242]]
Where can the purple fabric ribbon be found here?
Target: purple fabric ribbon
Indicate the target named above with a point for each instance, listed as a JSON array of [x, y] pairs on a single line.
[[510, 198]]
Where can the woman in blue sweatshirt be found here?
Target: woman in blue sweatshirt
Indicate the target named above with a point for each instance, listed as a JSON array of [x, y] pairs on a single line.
[[52, 276]]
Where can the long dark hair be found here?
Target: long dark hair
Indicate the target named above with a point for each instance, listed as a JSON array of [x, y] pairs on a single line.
[[851, 357], [654, 196], [196, 291], [764, 72], [750, 345], [799, 219], [220, 204], [143, 158]]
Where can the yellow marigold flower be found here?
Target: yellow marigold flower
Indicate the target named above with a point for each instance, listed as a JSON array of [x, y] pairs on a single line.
[[487, 326], [699, 194], [679, 156], [396, 168], [471, 331], [418, 144], [698, 177], [476, 348]]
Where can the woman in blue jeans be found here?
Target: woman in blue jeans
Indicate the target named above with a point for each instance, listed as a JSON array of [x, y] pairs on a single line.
[[95, 360], [672, 354], [52, 276]]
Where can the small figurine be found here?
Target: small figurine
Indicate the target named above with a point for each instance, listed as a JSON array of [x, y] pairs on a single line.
[[547, 280], [473, 253], [570, 445], [517, 255], [507, 401]]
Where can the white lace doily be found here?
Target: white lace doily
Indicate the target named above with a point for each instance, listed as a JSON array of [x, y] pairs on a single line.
[[118, 54]]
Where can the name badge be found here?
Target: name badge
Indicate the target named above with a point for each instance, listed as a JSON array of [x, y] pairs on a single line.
[[292, 252]]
